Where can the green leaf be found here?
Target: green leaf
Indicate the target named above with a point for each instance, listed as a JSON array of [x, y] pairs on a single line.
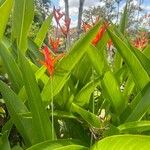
[[58, 145], [143, 59], [83, 96], [83, 70], [33, 52], [146, 52], [122, 27], [7, 127], [140, 105], [129, 86], [112, 90], [89, 117], [11, 66], [40, 74], [23, 14], [96, 58], [41, 123], [62, 114], [5, 10], [117, 64], [17, 147], [124, 19], [43, 31], [136, 126], [141, 77], [123, 142], [4, 143], [16, 106], [67, 64]]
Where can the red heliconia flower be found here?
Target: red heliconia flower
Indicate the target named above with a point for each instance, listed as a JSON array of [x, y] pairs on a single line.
[[57, 14], [66, 27], [141, 42], [50, 60], [99, 35], [54, 43], [86, 26]]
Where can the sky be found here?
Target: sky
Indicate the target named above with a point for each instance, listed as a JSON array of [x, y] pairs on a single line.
[[74, 4]]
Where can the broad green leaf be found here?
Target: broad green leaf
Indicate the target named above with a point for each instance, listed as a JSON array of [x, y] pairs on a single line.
[[7, 127], [67, 64], [72, 147], [40, 74], [124, 19], [83, 96], [17, 147], [11, 67], [76, 130], [129, 86], [62, 114], [83, 70], [112, 91], [102, 44], [136, 126], [96, 58], [122, 74], [47, 145], [61, 99], [146, 51], [41, 123], [34, 53], [16, 106], [68, 147], [89, 117], [140, 105], [143, 59], [101, 47], [43, 31], [56, 145], [117, 64], [22, 18], [5, 9], [122, 26], [4, 143], [141, 77], [123, 142]]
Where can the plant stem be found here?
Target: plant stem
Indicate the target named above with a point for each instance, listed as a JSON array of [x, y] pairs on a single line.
[[52, 109], [93, 107]]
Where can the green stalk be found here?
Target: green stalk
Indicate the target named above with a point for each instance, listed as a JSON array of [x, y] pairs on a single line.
[[52, 109], [93, 106]]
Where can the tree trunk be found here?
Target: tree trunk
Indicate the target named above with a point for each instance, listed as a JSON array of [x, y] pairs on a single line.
[[81, 4], [67, 17]]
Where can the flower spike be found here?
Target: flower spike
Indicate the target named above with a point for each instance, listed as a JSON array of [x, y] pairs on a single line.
[[50, 60]]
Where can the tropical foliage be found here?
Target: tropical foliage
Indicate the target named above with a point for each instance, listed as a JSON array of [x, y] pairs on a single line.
[[92, 96]]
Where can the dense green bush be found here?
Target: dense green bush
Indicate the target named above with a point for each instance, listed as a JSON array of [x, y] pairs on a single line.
[[91, 99]]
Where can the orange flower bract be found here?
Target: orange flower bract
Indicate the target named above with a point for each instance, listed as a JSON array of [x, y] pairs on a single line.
[[50, 60], [99, 35], [54, 43]]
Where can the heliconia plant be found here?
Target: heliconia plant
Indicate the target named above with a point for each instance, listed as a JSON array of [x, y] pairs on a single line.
[[92, 96]]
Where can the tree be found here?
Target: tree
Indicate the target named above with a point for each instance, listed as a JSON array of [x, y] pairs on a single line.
[[107, 10], [41, 12], [67, 18], [81, 4]]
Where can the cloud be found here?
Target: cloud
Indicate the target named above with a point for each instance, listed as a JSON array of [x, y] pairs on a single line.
[[146, 7], [74, 6]]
